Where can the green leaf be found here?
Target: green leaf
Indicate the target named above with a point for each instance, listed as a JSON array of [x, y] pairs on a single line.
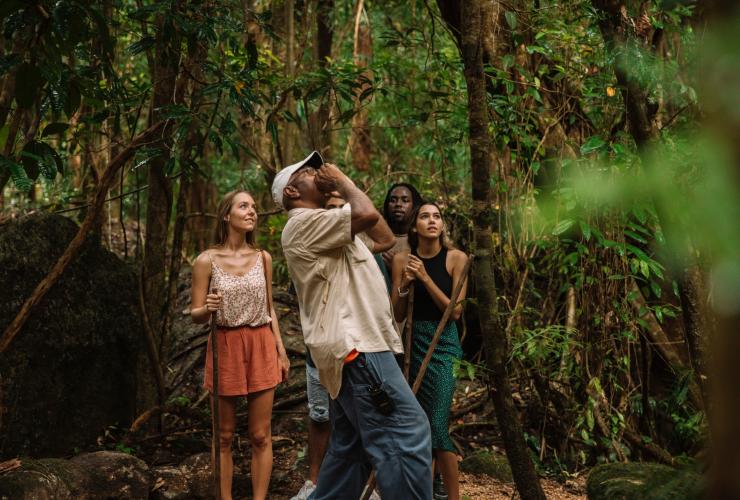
[[51, 162], [142, 45], [28, 83], [32, 157], [17, 173], [39, 158], [590, 419], [562, 226], [594, 143], [510, 19], [586, 230], [145, 155], [54, 129], [644, 268], [635, 236], [638, 253]]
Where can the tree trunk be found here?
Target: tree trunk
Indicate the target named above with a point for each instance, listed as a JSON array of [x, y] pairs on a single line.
[[159, 194], [320, 129], [721, 85], [494, 339], [194, 64], [363, 51], [290, 63]]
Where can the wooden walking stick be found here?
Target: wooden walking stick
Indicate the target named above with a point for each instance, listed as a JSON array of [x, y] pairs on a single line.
[[216, 414], [441, 326], [408, 332], [370, 487]]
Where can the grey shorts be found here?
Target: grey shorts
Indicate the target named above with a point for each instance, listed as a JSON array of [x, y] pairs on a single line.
[[318, 397]]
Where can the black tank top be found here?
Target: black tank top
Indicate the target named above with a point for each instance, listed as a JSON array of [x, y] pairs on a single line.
[[424, 307]]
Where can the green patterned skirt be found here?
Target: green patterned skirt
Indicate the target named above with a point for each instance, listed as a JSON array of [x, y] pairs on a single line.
[[438, 386]]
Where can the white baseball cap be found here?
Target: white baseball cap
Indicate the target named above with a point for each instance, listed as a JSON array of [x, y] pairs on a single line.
[[281, 179]]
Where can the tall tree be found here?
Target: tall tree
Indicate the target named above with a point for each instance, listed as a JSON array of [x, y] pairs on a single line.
[[472, 16], [363, 51], [320, 130], [164, 74]]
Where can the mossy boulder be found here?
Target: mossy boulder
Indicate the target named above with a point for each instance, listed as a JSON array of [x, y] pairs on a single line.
[[50, 478], [491, 464], [103, 474], [71, 371], [636, 481]]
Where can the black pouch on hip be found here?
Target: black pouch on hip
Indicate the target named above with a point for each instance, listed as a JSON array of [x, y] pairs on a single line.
[[381, 400]]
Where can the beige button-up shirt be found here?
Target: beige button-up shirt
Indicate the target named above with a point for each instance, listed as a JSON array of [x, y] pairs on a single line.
[[342, 297]]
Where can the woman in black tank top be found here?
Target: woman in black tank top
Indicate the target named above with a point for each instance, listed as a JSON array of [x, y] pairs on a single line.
[[435, 269]]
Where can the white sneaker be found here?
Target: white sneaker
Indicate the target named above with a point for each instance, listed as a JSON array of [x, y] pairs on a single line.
[[306, 490]]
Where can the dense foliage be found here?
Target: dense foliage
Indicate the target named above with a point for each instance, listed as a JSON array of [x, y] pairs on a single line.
[[597, 261]]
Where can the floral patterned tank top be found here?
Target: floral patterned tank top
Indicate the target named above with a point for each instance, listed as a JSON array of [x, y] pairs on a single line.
[[244, 298]]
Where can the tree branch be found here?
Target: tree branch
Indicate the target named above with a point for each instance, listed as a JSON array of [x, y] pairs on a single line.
[[75, 246]]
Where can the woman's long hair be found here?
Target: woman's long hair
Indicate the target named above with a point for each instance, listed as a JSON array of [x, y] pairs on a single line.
[[414, 235], [222, 227]]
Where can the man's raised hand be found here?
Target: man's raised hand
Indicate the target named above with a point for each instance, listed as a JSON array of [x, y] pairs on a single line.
[[329, 178]]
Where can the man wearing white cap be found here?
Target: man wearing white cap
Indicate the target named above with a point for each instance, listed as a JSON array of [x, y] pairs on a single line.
[[348, 328]]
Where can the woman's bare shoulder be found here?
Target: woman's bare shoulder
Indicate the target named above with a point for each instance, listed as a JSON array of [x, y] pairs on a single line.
[[203, 261], [457, 257]]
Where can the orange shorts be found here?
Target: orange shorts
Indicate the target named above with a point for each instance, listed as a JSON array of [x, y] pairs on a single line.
[[247, 361]]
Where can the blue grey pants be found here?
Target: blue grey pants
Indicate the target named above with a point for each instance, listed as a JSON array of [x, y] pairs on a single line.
[[397, 446]]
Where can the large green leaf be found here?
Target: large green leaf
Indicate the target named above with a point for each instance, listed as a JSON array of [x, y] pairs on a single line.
[[562, 226], [31, 158], [17, 173], [40, 158], [54, 129], [28, 83], [594, 143]]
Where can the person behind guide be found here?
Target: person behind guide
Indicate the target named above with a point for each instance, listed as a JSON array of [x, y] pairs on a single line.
[[234, 280], [319, 428], [436, 269], [400, 203], [348, 328]]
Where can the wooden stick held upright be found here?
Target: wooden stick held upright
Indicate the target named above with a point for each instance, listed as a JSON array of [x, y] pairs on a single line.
[[408, 332], [369, 487], [216, 413], [441, 326]]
